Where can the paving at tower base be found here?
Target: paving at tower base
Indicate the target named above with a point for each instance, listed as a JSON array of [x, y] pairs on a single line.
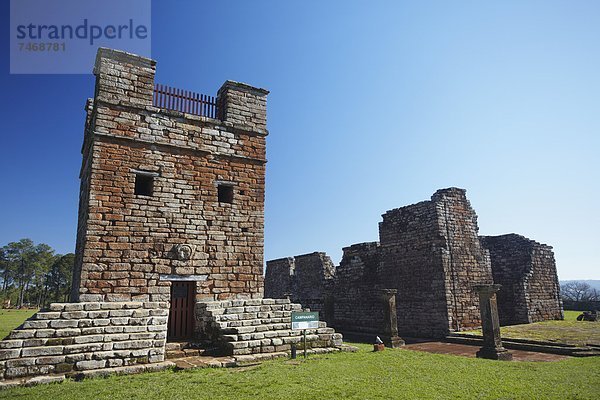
[[170, 247]]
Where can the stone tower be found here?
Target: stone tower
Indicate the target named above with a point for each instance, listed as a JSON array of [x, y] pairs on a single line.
[[169, 196]]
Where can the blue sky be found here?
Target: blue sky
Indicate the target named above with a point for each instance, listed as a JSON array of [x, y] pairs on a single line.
[[373, 105]]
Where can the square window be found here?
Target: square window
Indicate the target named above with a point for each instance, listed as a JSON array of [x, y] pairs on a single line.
[[144, 184], [225, 193]]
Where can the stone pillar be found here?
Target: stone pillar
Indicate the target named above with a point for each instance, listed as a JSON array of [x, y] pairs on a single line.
[[390, 319], [124, 79], [243, 105], [490, 324]]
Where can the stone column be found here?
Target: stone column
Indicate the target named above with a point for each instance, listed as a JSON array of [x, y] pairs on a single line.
[[243, 105], [490, 324], [390, 319], [123, 78]]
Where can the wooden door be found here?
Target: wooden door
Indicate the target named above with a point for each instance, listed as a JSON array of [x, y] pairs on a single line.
[[181, 314]]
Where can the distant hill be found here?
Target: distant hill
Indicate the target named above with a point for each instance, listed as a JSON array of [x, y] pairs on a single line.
[[594, 283]]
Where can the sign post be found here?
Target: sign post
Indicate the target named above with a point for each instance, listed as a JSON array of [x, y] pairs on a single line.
[[303, 321]]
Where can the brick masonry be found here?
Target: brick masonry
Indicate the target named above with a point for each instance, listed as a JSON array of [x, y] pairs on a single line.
[[72, 337], [527, 272], [128, 245], [430, 252]]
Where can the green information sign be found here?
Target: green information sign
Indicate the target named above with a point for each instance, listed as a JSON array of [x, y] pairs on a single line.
[[305, 320]]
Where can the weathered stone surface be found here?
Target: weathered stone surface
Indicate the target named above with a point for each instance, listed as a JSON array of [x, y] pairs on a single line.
[[238, 333], [358, 306], [91, 364], [41, 351], [430, 253], [59, 350], [305, 279], [127, 241], [490, 324], [9, 353], [527, 272]]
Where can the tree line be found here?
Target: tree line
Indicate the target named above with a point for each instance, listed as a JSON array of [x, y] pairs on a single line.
[[33, 275], [579, 291], [579, 296]]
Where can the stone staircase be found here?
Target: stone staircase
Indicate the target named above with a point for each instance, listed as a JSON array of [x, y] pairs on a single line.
[[257, 326]]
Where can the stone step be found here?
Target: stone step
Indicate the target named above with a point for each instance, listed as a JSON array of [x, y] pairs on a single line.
[[194, 362], [248, 327], [174, 354], [240, 344], [270, 334], [10, 344], [172, 346], [217, 305], [235, 330], [254, 315], [287, 308]]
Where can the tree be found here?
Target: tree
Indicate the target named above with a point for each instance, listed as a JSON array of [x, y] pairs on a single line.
[[579, 291], [27, 265], [42, 259], [6, 274], [58, 278], [5, 271]]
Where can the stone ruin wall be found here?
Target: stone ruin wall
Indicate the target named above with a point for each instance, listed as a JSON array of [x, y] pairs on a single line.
[[543, 288], [358, 307], [411, 262], [306, 279], [527, 272], [130, 245], [432, 254], [313, 275], [466, 262], [279, 277]]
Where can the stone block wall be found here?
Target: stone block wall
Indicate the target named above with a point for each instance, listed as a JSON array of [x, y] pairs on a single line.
[[279, 278], [313, 277], [431, 254], [243, 105], [74, 337], [130, 245], [466, 262], [411, 253], [358, 306], [306, 278], [527, 272]]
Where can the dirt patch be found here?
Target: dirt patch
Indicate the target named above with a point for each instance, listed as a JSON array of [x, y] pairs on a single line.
[[469, 351]]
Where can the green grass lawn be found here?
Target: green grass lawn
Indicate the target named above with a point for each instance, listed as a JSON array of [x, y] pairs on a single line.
[[568, 331], [571, 315], [392, 374], [10, 319]]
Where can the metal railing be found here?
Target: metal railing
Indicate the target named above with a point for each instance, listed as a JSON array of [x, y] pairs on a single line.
[[184, 101]]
